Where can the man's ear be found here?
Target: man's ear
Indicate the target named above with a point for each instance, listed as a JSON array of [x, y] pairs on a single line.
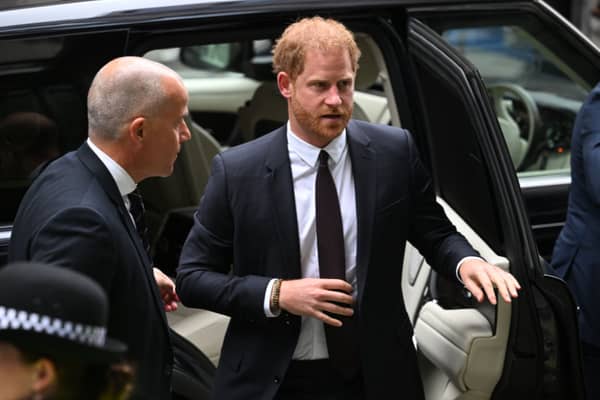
[[44, 376], [285, 85], [136, 129]]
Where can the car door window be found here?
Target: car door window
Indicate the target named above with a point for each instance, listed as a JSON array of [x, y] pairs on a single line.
[[42, 105], [536, 95], [538, 70]]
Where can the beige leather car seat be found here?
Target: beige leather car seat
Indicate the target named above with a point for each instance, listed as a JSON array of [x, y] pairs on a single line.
[[368, 70], [264, 112], [185, 186]]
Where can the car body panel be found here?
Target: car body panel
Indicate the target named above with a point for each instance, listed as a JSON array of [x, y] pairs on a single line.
[[111, 12]]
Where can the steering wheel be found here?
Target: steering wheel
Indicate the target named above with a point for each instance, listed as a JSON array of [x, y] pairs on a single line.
[[519, 128]]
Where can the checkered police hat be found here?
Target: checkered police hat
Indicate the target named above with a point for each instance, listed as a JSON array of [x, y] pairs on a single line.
[[57, 311]]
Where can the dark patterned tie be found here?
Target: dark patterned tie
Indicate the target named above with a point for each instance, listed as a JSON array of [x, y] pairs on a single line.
[[342, 343], [137, 210]]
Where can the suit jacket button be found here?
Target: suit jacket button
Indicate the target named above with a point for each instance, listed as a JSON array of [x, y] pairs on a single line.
[[276, 380]]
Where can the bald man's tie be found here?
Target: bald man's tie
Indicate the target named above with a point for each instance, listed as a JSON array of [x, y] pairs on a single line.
[[138, 212]]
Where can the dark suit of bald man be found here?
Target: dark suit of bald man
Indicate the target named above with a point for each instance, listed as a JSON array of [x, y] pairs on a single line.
[[74, 216]]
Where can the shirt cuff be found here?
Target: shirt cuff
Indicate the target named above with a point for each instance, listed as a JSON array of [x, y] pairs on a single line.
[[462, 261], [267, 301]]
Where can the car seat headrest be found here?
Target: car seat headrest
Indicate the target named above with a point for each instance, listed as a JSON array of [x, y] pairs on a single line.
[[368, 71]]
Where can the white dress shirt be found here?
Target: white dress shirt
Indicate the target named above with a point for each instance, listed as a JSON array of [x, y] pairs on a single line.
[[304, 161]]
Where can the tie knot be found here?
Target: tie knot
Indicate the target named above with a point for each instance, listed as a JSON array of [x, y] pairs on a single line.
[[135, 194], [135, 197], [323, 158], [137, 210], [136, 207]]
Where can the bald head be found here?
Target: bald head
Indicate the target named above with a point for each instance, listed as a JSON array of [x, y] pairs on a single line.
[[125, 88]]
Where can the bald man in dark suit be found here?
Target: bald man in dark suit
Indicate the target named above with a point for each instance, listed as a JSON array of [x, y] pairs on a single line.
[[77, 214]]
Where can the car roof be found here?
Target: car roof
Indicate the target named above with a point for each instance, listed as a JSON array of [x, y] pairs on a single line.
[[44, 14]]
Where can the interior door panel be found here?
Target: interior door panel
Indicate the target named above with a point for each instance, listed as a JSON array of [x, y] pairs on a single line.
[[461, 351], [461, 342], [415, 277]]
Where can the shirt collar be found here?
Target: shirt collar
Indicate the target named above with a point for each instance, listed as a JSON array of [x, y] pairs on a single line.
[[124, 181], [309, 153]]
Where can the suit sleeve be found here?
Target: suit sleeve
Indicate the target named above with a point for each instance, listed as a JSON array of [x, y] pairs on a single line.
[[204, 279], [591, 155], [80, 239], [431, 232], [587, 128]]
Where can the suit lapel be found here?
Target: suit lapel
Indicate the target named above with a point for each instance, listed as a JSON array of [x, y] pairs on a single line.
[[364, 172], [93, 163], [281, 195], [99, 170]]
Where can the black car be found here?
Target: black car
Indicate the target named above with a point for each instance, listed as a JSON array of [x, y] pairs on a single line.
[[489, 90]]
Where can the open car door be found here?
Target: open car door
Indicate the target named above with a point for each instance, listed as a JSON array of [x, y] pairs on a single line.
[[528, 348]]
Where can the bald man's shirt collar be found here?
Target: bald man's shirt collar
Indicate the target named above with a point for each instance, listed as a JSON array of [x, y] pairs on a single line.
[[124, 181]]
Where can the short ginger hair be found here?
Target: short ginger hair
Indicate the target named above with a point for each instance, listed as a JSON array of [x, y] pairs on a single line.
[[317, 33]]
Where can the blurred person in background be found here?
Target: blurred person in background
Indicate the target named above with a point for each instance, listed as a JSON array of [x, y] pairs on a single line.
[[28, 142], [596, 10]]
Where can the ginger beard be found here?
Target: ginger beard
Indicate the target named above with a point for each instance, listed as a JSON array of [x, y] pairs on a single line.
[[326, 123]]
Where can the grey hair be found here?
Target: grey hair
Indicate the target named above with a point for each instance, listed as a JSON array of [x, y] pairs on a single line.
[[123, 89]]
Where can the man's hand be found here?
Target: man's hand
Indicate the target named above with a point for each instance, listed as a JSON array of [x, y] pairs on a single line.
[[477, 275], [316, 297], [167, 290]]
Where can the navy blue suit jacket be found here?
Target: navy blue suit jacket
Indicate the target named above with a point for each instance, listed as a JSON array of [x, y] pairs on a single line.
[[74, 216], [247, 218], [576, 256]]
